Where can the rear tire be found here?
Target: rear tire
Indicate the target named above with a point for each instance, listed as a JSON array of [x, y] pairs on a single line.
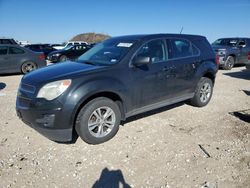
[[229, 64], [98, 121], [28, 67], [203, 92]]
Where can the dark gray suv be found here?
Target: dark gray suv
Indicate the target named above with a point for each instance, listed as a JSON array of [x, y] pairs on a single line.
[[116, 79], [232, 51]]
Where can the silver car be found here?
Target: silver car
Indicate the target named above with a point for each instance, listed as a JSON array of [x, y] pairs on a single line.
[[16, 59]]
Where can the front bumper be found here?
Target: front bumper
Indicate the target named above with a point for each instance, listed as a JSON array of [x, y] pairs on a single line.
[[46, 118], [248, 65], [53, 59], [222, 59]]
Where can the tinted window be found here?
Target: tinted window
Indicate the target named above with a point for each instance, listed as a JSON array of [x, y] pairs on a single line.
[[13, 50], [226, 42], [80, 47], [182, 48], [3, 50], [5, 41], [242, 43], [154, 49]]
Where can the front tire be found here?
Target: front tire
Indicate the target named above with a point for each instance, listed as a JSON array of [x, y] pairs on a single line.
[[98, 121], [203, 92], [229, 64], [63, 58]]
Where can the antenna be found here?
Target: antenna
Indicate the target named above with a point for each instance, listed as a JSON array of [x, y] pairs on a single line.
[[181, 30]]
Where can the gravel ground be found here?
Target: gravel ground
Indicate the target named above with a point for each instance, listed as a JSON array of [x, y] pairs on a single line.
[[177, 146]]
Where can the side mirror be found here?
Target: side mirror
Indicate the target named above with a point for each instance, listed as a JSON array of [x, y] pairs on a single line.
[[242, 45], [139, 61]]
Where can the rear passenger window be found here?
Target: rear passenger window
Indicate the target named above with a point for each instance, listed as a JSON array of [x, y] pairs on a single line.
[[3, 50], [182, 48], [13, 50], [155, 50]]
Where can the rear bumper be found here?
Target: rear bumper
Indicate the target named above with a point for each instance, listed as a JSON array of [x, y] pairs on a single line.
[[222, 59]]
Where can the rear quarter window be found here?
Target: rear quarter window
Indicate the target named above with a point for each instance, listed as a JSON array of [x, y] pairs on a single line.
[[13, 50]]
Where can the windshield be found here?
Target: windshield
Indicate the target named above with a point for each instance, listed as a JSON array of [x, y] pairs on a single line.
[[68, 47], [226, 42], [108, 52]]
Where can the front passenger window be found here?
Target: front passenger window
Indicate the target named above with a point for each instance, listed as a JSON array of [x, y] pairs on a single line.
[[155, 50]]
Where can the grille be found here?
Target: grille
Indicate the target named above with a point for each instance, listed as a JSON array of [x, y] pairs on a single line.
[[27, 88]]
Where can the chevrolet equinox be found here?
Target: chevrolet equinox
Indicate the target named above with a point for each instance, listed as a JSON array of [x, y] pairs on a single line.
[[116, 79]]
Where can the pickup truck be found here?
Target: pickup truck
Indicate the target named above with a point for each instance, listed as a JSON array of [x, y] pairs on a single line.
[[232, 51]]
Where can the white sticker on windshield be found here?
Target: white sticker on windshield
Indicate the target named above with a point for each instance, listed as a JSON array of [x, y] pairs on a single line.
[[126, 45]]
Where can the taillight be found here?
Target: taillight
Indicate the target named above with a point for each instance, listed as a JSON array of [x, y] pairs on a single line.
[[217, 59], [248, 57], [41, 57]]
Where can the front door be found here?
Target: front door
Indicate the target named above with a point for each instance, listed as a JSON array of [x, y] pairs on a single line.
[[150, 80], [243, 52]]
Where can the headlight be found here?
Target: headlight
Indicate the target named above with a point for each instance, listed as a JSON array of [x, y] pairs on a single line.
[[222, 52], [53, 90], [56, 54]]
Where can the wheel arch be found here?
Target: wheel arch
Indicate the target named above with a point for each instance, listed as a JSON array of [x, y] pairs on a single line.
[[209, 75], [107, 94], [234, 56]]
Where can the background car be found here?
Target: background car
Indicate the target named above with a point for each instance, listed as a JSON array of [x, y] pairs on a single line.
[[15, 59], [70, 52], [232, 51], [7, 41], [71, 43], [45, 48]]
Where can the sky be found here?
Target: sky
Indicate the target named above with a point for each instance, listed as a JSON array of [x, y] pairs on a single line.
[[53, 21]]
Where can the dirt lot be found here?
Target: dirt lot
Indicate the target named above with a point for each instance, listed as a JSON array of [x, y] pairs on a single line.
[[162, 148]]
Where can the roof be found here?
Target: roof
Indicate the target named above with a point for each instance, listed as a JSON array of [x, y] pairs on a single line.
[[152, 36]]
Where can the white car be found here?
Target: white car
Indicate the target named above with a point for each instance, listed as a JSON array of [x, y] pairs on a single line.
[[71, 43]]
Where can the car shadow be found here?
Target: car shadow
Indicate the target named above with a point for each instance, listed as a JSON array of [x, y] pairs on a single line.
[[246, 92], [2, 85], [111, 178], [152, 112], [10, 74], [243, 115], [244, 74]]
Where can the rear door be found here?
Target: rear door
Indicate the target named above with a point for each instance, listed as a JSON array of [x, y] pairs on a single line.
[[16, 56], [4, 59], [184, 58]]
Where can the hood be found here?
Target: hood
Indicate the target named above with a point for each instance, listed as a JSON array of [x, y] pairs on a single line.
[[218, 47], [58, 71], [57, 52]]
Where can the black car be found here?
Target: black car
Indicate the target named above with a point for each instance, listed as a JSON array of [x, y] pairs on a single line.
[[16, 59], [116, 79], [71, 52], [232, 51], [45, 48]]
